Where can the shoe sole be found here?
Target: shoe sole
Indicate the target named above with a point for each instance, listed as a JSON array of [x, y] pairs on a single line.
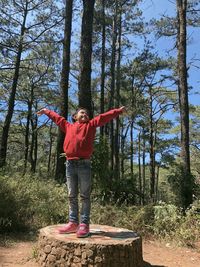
[[86, 235]]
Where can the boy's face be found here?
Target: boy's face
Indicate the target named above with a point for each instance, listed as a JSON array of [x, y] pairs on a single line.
[[81, 116]]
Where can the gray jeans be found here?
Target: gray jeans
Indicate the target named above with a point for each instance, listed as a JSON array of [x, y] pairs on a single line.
[[78, 176]]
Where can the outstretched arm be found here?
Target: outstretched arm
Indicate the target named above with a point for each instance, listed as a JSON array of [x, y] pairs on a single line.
[[106, 117], [59, 120]]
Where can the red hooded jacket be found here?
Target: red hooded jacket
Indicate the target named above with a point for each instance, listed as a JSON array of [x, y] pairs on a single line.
[[79, 137]]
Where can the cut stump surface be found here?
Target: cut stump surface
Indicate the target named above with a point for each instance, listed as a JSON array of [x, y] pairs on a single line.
[[105, 247]]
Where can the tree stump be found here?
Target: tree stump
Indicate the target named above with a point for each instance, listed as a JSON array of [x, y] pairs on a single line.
[[105, 247]]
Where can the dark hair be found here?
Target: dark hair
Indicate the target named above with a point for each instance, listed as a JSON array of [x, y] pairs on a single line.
[[77, 110]]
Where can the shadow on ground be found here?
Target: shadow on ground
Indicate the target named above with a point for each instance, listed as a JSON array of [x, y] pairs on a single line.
[[147, 264], [115, 235]]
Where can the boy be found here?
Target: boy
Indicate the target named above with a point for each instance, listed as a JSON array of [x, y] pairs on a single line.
[[78, 147]]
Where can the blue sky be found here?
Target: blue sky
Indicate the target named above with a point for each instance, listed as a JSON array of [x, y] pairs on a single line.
[[156, 9]]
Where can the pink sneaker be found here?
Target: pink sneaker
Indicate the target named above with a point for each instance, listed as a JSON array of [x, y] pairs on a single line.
[[70, 227], [83, 230]]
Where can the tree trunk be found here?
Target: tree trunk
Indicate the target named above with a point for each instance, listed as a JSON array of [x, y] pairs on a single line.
[[50, 147], [187, 185], [157, 181], [151, 143], [85, 97], [139, 167], [112, 87], [33, 146], [131, 151], [143, 166], [29, 116], [103, 58], [122, 153], [123, 157], [11, 103], [64, 84], [118, 79], [26, 142]]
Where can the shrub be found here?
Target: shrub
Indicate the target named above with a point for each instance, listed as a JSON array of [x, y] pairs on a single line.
[[135, 218], [7, 205], [162, 221], [30, 202], [167, 218], [189, 230]]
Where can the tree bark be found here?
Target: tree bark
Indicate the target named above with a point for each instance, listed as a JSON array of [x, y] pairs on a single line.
[[85, 96], [187, 187], [112, 86], [27, 133], [143, 166], [139, 167], [50, 147], [157, 181], [118, 79], [33, 146], [131, 151], [64, 84], [151, 143], [103, 58], [123, 141]]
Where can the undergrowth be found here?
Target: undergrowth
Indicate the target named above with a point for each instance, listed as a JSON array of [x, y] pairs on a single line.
[[29, 203], [162, 221]]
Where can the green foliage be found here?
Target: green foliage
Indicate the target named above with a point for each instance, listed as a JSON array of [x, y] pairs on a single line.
[[182, 185], [166, 219], [109, 190], [188, 232], [35, 252], [134, 218], [7, 204], [30, 202], [163, 221], [172, 224], [121, 192], [100, 164]]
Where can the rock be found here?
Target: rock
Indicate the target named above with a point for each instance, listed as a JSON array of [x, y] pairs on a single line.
[[47, 249]]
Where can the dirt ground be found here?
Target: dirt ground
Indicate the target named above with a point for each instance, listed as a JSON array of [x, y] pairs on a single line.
[[21, 254], [156, 254]]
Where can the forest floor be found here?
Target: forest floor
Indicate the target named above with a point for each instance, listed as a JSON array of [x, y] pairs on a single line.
[[17, 252]]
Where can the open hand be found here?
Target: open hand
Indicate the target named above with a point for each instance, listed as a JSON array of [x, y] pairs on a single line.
[[42, 111], [123, 109]]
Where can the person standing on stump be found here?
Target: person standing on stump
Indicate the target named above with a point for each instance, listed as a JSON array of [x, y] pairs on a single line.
[[78, 148]]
